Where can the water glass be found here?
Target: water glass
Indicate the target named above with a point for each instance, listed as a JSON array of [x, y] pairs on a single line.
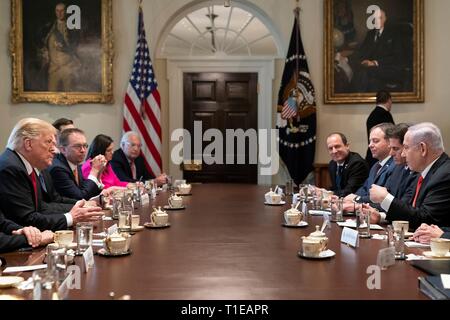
[[125, 218], [364, 223], [336, 207], [84, 236], [289, 187], [399, 244]]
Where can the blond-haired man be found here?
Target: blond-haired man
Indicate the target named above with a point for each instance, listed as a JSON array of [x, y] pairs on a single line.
[[31, 146]]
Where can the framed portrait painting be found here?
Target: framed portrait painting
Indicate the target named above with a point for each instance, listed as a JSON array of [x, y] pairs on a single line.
[[373, 45], [62, 51]]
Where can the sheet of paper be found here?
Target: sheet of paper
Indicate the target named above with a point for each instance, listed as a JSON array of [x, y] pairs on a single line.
[[24, 268], [352, 224], [413, 244]]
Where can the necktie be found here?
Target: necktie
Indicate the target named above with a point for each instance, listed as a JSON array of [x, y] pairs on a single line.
[[42, 181], [133, 169], [377, 35], [377, 168], [419, 185], [33, 181], [75, 174], [339, 171]]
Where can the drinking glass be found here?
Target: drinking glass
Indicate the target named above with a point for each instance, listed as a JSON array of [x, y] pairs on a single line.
[[84, 236]]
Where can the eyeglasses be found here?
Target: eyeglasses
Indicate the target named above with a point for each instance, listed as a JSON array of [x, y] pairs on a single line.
[[80, 146], [133, 145]]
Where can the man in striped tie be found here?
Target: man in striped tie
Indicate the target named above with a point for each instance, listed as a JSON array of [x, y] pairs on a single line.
[[128, 163], [424, 151]]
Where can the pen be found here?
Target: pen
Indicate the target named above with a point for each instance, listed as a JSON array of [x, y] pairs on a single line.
[[25, 249]]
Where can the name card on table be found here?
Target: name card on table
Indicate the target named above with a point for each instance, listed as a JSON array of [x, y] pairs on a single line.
[[88, 257], [112, 229], [386, 257], [445, 278], [350, 237]]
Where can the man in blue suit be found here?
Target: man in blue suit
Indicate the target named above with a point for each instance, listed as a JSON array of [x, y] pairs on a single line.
[[424, 151], [401, 182], [380, 171], [66, 168]]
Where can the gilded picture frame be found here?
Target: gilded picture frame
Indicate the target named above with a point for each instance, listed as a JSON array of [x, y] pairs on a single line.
[[373, 45], [61, 53]]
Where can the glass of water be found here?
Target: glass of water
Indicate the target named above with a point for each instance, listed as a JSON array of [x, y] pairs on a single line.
[[84, 236]]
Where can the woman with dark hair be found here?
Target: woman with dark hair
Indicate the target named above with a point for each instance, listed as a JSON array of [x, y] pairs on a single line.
[[102, 144]]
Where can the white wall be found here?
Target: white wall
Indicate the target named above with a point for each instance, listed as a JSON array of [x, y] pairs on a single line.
[[349, 119]]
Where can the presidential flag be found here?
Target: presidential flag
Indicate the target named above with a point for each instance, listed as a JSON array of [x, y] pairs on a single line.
[[142, 108], [297, 118]]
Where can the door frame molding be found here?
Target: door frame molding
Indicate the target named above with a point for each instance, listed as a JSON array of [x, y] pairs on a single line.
[[263, 66]]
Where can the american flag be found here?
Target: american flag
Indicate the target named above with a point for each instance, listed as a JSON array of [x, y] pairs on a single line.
[[289, 108], [142, 107]]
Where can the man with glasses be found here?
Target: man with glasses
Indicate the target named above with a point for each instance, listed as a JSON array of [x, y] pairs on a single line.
[[424, 151], [31, 146], [66, 168], [128, 163]]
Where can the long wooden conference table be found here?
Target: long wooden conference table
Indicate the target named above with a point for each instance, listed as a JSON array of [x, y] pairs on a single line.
[[227, 244]]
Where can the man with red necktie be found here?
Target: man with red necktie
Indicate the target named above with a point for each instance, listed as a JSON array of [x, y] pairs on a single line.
[[424, 151], [31, 146]]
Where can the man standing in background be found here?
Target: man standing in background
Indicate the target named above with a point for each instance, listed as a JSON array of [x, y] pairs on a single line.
[[381, 114]]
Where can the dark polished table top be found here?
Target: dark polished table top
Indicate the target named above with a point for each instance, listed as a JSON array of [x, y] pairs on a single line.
[[228, 245]]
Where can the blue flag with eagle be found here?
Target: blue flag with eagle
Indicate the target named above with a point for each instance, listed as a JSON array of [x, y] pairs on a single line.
[[297, 120]]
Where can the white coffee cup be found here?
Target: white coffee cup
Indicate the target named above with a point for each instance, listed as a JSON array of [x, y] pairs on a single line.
[[135, 219], [63, 237], [439, 246]]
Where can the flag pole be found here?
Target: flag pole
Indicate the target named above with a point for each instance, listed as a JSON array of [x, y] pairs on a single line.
[[142, 99]]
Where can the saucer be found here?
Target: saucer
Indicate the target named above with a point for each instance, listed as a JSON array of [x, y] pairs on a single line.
[[167, 207], [275, 204], [323, 255], [430, 254], [318, 212], [408, 234], [10, 281], [103, 252], [301, 224], [138, 228], [152, 226]]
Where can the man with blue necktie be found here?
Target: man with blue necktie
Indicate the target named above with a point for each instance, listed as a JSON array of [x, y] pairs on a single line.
[[380, 171]]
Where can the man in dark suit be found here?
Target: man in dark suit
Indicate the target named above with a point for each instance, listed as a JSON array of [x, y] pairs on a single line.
[[401, 182], [13, 236], [347, 169], [379, 58], [32, 145], [381, 114], [66, 168], [51, 196], [380, 171], [128, 163], [424, 151]]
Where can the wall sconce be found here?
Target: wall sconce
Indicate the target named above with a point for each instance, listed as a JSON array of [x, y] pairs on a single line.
[[227, 3]]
